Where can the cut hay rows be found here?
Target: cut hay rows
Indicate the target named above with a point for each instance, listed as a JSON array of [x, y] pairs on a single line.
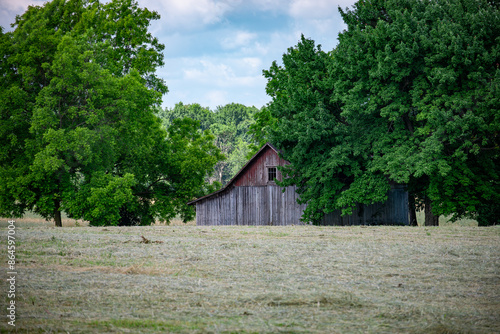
[[297, 279]]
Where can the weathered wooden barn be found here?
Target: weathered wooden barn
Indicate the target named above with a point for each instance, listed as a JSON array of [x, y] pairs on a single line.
[[252, 197]]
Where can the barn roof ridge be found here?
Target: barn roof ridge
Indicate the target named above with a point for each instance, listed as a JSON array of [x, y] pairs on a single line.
[[237, 174]]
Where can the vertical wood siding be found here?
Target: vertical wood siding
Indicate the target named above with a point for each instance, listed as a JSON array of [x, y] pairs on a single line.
[[264, 205], [394, 211], [268, 205]]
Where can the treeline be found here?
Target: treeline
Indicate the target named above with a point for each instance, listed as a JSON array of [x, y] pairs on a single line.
[[411, 94], [229, 124]]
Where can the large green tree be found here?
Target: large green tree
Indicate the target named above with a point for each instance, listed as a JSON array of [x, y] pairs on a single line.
[[78, 124], [427, 76], [409, 95], [328, 170]]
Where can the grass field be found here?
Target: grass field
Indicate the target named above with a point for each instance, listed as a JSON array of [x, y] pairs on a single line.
[[297, 279]]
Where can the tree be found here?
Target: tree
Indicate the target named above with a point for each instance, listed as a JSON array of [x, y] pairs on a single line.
[[260, 130], [194, 111], [230, 127], [238, 157], [224, 139], [236, 116], [310, 131], [229, 124], [427, 72], [409, 95], [91, 144], [25, 54]]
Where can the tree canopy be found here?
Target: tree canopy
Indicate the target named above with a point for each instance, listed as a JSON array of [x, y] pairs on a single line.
[[409, 95], [79, 131], [229, 124]]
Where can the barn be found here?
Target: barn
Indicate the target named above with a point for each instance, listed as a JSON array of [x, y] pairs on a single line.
[[252, 197]]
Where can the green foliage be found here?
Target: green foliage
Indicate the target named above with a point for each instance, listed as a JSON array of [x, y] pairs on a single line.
[[428, 73], [194, 111], [121, 27], [86, 140], [260, 130], [192, 157], [236, 116], [238, 157], [229, 124], [409, 95], [310, 132], [107, 196]]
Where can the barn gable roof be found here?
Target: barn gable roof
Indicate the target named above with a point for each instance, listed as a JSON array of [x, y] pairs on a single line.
[[241, 171]]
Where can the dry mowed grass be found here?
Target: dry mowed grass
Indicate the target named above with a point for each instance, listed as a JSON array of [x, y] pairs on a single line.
[[298, 279]]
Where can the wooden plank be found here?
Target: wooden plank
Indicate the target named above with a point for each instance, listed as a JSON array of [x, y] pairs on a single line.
[[272, 202]]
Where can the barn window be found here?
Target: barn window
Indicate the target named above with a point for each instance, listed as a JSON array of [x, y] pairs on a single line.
[[271, 173]]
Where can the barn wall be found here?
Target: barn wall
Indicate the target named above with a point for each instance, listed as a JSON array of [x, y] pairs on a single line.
[[250, 199], [392, 212], [255, 174], [268, 205], [264, 205]]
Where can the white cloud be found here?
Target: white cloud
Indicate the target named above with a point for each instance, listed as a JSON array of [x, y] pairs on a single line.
[[306, 9], [207, 72], [238, 39], [253, 62], [226, 73], [179, 15], [189, 14], [216, 98], [270, 5], [319, 20], [20, 6]]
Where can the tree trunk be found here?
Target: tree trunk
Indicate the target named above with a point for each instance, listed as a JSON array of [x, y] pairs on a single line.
[[57, 214], [411, 207], [430, 218]]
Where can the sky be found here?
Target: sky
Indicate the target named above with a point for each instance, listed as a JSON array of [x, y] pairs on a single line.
[[215, 50]]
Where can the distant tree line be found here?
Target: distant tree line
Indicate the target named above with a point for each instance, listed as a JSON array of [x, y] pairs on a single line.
[[229, 124], [411, 94]]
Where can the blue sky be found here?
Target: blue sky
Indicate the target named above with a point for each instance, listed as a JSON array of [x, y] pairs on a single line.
[[215, 50]]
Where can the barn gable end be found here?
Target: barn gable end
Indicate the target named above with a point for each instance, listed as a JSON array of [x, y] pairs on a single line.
[[257, 170]]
